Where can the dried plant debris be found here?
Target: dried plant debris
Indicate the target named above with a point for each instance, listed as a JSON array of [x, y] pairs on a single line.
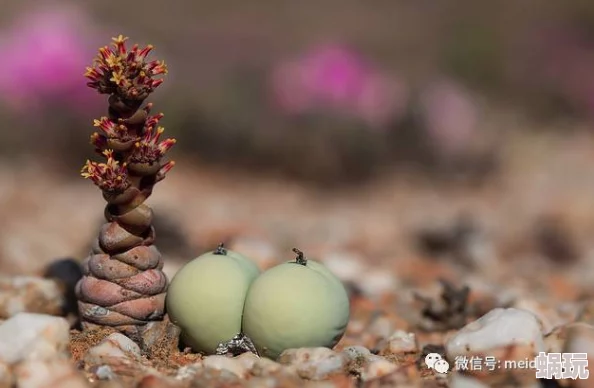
[[554, 241], [450, 311], [455, 241]]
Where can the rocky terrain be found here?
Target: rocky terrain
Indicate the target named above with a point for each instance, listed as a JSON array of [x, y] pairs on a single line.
[[499, 271]]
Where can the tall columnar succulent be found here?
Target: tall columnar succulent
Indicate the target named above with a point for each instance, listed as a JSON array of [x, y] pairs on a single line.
[[124, 285]]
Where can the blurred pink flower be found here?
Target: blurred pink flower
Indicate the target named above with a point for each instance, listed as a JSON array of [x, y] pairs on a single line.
[[334, 78], [449, 115], [44, 57]]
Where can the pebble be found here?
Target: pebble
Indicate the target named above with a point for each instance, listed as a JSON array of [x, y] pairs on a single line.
[[377, 367], [400, 342], [497, 329], [33, 353], [348, 267], [580, 339], [381, 327], [369, 366], [224, 363], [59, 373], [115, 346], [30, 294], [555, 340], [357, 353], [549, 318], [314, 363], [117, 355], [586, 313], [34, 337], [248, 360], [267, 367], [376, 283]]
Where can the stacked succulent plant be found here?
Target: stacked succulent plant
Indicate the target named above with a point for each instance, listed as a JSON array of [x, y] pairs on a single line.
[[124, 285], [220, 301]]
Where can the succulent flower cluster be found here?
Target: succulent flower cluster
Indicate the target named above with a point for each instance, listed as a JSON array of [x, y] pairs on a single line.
[[124, 286]]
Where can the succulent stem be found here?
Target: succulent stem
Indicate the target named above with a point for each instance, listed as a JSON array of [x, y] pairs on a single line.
[[123, 284]]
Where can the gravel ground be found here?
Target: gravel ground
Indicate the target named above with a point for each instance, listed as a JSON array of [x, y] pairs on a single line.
[[421, 260]]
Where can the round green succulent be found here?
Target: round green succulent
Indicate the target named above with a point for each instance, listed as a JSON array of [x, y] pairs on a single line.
[[206, 298], [295, 304]]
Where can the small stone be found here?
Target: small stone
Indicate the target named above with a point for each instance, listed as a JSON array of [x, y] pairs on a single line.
[[224, 363], [30, 294], [155, 381], [59, 373], [401, 342], [314, 363], [104, 372], [186, 372], [357, 353], [381, 327], [119, 353], [548, 316], [580, 339], [116, 345], [268, 367], [376, 283], [160, 338], [348, 267], [29, 336], [496, 329], [586, 313], [248, 360], [377, 367], [555, 340]]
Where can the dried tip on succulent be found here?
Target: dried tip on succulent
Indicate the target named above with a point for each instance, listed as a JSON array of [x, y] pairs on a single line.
[[300, 259], [111, 176], [127, 73], [164, 170]]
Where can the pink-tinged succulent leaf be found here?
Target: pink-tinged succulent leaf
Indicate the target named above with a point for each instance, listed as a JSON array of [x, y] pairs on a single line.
[[149, 149], [111, 176], [125, 72], [164, 170]]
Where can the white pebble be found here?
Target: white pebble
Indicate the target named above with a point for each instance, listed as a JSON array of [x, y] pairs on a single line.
[[346, 266], [28, 336], [314, 363], [247, 360], [377, 282], [357, 352], [58, 373], [378, 367], [402, 342], [224, 363], [114, 348], [580, 339], [498, 328], [267, 367]]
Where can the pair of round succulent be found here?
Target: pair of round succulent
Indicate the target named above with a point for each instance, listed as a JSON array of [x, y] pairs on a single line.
[[221, 297]]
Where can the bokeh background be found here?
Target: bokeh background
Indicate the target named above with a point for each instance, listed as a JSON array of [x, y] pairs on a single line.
[[386, 131]]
